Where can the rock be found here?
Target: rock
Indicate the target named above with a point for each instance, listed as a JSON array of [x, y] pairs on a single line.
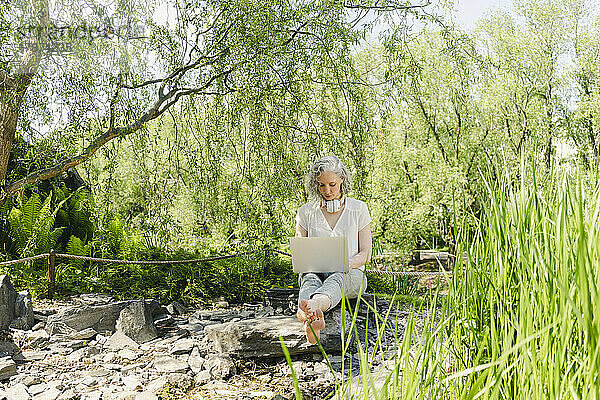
[[89, 381], [132, 382], [94, 299], [180, 381], [33, 355], [267, 311], [170, 365], [8, 296], [27, 380], [264, 394], [59, 328], [37, 389], [135, 321], [37, 338], [193, 328], [99, 373], [17, 392], [48, 394], [147, 395], [23, 312], [128, 354], [8, 368], [247, 314], [112, 366], [163, 320], [220, 366], [75, 344], [120, 341], [38, 326], [259, 337], [107, 358], [102, 318], [127, 395], [93, 395], [176, 308], [85, 334], [195, 361], [183, 346], [42, 315], [132, 367], [68, 394], [8, 348], [202, 377]]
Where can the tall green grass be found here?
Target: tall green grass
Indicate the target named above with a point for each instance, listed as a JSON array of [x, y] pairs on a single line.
[[522, 318], [529, 297]]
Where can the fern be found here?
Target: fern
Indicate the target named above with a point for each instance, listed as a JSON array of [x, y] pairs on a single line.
[[29, 215], [17, 229], [115, 236], [33, 226], [5, 239], [76, 247], [80, 214]]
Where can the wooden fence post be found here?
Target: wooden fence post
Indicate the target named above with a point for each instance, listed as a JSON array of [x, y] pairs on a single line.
[[51, 273]]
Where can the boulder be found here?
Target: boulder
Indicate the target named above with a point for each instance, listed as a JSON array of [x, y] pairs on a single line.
[[23, 312], [135, 321], [195, 361], [101, 318], [8, 296], [220, 366], [259, 337], [8, 368]]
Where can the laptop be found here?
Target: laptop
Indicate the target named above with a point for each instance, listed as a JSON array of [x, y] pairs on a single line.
[[319, 254]]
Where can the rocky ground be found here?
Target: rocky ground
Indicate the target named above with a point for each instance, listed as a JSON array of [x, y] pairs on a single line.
[[92, 347]]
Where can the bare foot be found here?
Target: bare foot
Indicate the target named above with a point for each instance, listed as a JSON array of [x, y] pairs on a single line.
[[314, 334], [309, 307], [302, 310]]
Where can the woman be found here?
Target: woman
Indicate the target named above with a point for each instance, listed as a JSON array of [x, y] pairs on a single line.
[[331, 213]]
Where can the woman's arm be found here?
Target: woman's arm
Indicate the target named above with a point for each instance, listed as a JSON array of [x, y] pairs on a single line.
[[365, 247], [300, 231]]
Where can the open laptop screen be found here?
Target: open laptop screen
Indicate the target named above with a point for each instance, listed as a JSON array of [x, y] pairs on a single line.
[[319, 254]]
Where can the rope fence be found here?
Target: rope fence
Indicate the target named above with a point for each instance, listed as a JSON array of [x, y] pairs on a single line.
[[32, 258], [107, 260], [52, 256]]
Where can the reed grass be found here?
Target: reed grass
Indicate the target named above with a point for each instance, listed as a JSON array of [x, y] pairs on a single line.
[[522, 317]]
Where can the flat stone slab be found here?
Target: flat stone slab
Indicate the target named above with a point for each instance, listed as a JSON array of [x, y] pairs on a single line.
[[259, 337], [168, 364]]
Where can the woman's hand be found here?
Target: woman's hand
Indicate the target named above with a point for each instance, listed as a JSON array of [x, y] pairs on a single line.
[[300, 231]]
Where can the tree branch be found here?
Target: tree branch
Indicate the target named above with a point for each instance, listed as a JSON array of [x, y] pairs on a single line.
[[179, 72], [163, 103], [388, 7]]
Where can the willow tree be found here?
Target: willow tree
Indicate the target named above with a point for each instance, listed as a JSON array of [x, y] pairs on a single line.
[[99, 72]]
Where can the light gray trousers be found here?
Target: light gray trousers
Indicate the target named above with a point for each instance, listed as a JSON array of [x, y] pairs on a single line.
[[333, 284]]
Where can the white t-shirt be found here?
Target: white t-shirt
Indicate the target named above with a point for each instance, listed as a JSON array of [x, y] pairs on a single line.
[[355, 216]]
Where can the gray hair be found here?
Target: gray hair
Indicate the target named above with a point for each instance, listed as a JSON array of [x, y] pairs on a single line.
[[327, 164]]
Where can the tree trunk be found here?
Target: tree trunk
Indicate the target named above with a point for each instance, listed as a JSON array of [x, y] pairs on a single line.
[[8, 125], [14, 86]]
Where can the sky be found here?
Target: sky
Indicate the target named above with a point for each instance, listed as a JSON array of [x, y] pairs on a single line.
[[468, 12]]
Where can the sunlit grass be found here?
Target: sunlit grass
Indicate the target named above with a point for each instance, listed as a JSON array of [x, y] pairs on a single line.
[[521, 319]]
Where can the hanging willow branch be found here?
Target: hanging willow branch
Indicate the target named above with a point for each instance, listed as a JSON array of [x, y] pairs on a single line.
[[162, 104]]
